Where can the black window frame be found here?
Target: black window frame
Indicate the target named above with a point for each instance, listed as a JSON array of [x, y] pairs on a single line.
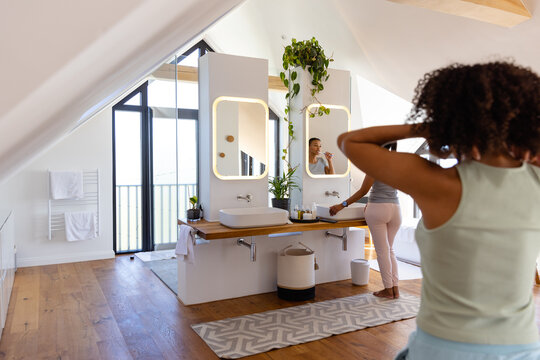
[[272, 116]]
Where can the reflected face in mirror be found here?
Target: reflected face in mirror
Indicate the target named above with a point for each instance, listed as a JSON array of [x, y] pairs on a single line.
[[323, 157], [240, 138], [319, 163]]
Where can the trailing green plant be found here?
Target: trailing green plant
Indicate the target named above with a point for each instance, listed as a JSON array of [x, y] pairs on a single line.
[[281, 186], [309, 55]]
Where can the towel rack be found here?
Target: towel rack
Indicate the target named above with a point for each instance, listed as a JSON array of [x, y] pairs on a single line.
[[90, 202]]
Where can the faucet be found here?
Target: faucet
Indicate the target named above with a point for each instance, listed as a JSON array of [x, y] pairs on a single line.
[[333, 193], [248, 197]]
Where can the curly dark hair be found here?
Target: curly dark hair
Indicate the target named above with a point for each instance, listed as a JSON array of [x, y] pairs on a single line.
[[492, 106]]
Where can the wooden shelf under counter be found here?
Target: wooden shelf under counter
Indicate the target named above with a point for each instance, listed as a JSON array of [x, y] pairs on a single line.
[[213, 230]]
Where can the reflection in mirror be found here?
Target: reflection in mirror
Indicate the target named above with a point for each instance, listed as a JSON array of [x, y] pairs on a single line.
[[323, 157], [240, 138]]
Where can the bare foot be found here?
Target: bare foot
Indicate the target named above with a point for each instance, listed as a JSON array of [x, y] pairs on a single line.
[[396, 292], [386, 293]]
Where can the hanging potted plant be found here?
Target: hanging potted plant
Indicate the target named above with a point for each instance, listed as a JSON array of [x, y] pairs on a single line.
[[309, 55], [194, 213], [280, 187]]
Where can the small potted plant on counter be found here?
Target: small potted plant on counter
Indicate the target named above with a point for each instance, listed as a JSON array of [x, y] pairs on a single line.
[[194, 213], [280, 187]]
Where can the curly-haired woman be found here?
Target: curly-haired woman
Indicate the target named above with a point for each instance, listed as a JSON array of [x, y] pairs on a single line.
[[480, 231]]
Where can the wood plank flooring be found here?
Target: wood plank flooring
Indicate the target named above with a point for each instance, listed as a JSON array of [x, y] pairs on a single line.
[[117, 309]]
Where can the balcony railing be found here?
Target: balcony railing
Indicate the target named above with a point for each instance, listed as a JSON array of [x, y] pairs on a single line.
[[129, 214]]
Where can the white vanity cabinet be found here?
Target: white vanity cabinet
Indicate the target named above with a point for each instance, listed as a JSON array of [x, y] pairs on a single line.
[[7, 262]]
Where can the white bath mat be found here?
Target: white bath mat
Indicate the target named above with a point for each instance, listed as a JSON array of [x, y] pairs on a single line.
[[156, 255], [256, 333], [406, 271]]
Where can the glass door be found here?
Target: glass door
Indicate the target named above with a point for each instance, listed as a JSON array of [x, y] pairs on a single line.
[[175, 155]]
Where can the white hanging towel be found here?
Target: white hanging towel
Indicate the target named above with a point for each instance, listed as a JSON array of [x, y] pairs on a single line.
[[80, 225], [66, 185], [185, 243]]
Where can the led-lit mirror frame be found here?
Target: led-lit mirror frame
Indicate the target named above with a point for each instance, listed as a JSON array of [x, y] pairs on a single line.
[[214, 137], [308, 136]]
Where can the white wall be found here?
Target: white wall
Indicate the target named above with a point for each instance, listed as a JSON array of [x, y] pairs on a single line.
[[227, 75], [89, 147]]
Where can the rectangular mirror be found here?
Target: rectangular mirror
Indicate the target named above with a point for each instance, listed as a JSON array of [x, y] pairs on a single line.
[[323, 157], [240, 128]]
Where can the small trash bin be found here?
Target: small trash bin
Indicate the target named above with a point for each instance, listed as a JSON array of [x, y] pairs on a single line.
[[296, 273], [360, 271]]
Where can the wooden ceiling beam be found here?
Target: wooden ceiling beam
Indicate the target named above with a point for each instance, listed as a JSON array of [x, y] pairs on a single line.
[[190, 73], [505, 13]]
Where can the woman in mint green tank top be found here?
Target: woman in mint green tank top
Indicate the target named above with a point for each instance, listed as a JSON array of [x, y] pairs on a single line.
[[479, 236]]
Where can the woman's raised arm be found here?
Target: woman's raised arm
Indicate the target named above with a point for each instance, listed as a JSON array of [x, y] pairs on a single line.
[[436, 190]]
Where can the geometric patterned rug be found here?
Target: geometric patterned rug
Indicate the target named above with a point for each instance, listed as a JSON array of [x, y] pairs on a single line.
[[241, 336]]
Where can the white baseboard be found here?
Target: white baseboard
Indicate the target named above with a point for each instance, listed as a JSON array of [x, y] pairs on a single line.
[[68, 258]]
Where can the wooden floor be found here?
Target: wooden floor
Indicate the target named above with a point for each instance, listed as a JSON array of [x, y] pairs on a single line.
[[117, 309]]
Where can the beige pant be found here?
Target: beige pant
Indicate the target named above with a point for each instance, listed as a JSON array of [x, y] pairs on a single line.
[[383, 220]]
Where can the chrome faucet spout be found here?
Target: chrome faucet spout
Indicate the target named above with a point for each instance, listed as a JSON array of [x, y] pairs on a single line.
[[248, 197], [333, 193]]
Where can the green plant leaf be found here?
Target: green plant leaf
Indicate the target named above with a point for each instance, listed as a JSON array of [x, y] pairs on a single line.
[[293, 75]]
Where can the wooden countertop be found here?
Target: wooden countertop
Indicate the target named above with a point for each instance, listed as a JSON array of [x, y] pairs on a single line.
[[213, 230]]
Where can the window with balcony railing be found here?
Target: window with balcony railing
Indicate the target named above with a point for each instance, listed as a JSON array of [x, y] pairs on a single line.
[[155, 161]]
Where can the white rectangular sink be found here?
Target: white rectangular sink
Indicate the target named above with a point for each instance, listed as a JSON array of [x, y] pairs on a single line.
[[351, 212], [253, 217]]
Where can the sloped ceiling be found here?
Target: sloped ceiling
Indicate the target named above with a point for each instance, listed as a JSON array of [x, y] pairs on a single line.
[[61, 61], [389, 44]]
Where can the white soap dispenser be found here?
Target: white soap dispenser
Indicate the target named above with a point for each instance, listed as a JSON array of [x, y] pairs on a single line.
[[314, 210]]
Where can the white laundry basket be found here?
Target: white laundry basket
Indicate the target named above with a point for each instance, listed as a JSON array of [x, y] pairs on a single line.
[[296, 273], [360, 271]]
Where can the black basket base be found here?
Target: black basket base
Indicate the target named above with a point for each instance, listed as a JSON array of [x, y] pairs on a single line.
[[296, 295]]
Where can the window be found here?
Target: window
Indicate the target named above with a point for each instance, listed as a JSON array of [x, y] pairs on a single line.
[[155, 134]]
